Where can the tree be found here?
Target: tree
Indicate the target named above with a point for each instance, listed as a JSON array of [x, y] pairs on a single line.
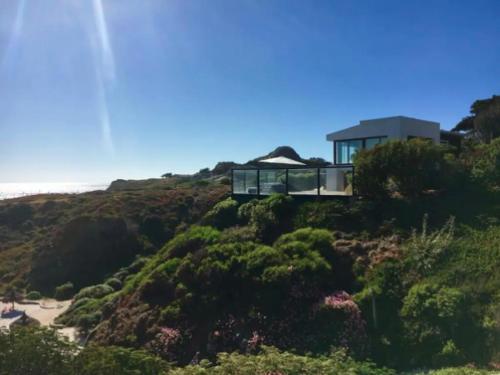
[[12, 296], [484, 121], [487, 122], [166, 175], [34, 351]]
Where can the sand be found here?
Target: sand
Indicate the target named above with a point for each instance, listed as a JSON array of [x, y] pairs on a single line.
[[45, 311]]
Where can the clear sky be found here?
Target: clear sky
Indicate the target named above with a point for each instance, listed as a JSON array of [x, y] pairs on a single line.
[[93, 90]]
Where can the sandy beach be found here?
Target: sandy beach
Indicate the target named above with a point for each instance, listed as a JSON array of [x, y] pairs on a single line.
[[45, 311]]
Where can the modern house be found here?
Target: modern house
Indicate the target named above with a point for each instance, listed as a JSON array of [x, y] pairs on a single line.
[[277, 175], [369, 133]]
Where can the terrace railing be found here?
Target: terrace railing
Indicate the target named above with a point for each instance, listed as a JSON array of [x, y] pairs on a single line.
[[325, 181]]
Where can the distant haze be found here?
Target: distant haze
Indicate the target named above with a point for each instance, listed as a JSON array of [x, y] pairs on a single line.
[[14, 190]]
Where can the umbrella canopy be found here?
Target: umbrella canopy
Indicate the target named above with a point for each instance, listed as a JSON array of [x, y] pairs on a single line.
[[281, 160]]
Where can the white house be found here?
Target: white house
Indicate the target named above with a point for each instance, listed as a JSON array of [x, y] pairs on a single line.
[[369, 133]]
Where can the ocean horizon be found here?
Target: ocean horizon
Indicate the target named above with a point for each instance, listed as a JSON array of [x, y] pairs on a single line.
[[10, 190]]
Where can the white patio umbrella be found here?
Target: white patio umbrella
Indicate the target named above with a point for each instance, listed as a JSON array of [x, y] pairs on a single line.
[[281, 160]]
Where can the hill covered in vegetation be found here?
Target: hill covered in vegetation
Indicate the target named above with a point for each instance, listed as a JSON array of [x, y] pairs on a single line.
[[49, 240], [403, 276]]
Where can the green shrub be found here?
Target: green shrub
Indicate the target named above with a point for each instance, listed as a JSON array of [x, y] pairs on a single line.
[[406, 167], [34, 351], [269, 217], [114, 283], [191, 240], [272, 361], [64, 291], [94, 291], [34, 295], [485, 163], [98, 360], [424, 249], [223, 215], [330, 214], [433, 318], [88, 321]]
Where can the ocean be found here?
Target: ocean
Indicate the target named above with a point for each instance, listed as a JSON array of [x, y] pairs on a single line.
[[16, 189]]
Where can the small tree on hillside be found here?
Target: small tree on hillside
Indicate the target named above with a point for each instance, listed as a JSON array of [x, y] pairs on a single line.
[[12, 296], [487, 123]]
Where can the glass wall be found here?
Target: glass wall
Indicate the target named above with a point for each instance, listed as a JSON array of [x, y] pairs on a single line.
[[346, 150], [272, 181], [245, 181], [303, 181], [300, 181], [336, 181]]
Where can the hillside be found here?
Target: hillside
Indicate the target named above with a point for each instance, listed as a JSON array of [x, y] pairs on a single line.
[[404, 275], [48, 240]]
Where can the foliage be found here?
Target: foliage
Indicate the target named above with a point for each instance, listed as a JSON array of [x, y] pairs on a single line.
[[40, 351], [223, 215], [34, 295], [64, 291], [114, 283], [244, 292], [487, 122], [273, 361], [95, 291], [269, 216], [47, 240], [34, 351], [484, 161], [406, 167], [455, 371], [425, 249], [433, 316], [484, 121], [97, 360]]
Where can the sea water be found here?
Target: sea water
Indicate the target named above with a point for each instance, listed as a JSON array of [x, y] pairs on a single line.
[[21, 189]]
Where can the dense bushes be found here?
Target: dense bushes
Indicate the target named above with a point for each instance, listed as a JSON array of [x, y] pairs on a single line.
[[95, 291], [269, 216], [33, 295], [272, 361], [434, 317], [484, 161], [223, 215], [406, 167], [64, 291], [41, 351], [246, 293]]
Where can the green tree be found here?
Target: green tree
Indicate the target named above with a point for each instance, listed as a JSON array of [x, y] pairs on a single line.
[[434, 317], [112, 360], [34, 351], [484, 121]]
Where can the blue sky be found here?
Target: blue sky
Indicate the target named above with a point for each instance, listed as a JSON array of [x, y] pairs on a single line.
[[93, 90]]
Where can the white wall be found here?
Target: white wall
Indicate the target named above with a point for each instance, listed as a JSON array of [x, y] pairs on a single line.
[[398, 127]]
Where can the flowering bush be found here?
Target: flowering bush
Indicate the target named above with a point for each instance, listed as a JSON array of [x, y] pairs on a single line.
[[339, 322]]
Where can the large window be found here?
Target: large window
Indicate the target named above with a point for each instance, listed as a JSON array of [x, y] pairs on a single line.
[[345, 150]]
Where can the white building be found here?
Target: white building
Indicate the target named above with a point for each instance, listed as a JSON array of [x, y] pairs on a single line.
[[369, 133]]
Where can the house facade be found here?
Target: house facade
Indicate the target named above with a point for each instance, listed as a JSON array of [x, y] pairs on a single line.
[[368, 133]]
